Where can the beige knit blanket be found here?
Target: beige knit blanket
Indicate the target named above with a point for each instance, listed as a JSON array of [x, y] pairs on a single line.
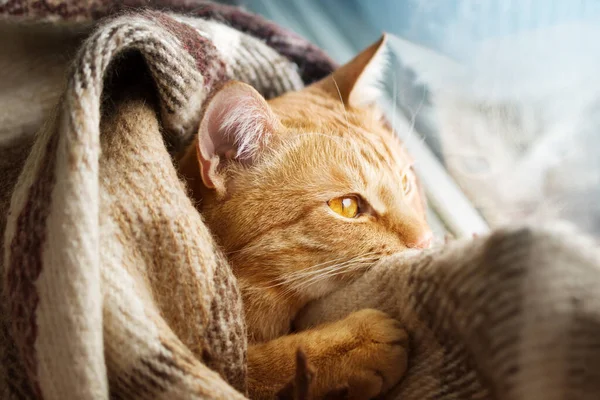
[[514, 315], [110, 284]]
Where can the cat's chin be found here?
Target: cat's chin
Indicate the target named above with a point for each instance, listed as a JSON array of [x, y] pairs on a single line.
[[270, 311], [322, 288]]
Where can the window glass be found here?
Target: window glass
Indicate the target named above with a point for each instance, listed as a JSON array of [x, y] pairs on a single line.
[[504, 93]]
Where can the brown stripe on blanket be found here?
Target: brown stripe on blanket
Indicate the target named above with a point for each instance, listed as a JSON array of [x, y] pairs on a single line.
[[500, 297], [470, 299], [203, 50], [313, 63], [226, 306], [17, 381], [25, 262], [66, 9], [152, 376], [14, 7], [13, 154], [148, 379], [432, 297], [583, 379], [164, 56], [157, 54]]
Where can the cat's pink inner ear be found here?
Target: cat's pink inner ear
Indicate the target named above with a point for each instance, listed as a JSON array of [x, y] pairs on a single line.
[[235, 126], [358, 82]]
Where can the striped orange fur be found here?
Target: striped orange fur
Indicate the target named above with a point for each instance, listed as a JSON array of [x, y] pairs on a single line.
[[269, 208]]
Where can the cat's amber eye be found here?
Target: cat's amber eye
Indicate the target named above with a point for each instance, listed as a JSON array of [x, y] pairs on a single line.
[[346, 206], [406, 185]]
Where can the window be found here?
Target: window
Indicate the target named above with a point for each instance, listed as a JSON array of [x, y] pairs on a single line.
[[499, 100]]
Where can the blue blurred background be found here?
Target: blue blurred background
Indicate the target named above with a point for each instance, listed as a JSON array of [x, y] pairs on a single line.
[[498, 99]]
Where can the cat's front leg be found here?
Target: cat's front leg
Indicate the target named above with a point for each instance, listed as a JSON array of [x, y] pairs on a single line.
[[365, 352]]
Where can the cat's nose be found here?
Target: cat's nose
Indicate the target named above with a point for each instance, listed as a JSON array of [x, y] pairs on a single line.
[[421, 241]]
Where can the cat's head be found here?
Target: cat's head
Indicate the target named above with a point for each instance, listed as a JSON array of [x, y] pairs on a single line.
[[306, 190]]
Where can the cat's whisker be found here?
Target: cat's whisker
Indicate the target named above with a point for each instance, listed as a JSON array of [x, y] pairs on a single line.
[[350, 263], [297, 275], [299, 282], [352, 267], [302, 286], [358, 264], [300, 279], [414, 114], [313, 270], [319, 274], [341, 268], [336, 260], [394, 102], [315, 266], [308, 272], [300, 275], [343, 104]]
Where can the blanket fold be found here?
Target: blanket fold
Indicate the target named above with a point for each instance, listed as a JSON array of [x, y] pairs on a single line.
[[111, 283], [513, 315]]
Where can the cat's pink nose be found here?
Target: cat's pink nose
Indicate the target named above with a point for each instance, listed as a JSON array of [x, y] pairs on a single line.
[[422, 241]]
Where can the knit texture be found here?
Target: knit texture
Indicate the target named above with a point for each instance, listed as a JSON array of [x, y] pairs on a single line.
[[111, 285], [513, 315]]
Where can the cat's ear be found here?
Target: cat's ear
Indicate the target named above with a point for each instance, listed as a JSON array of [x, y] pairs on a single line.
[[235, 126], [358, 82]]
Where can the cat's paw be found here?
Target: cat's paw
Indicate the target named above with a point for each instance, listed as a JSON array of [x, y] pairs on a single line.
[[367, 354]]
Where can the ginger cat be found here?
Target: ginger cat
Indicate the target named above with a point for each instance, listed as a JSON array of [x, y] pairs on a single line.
[[304, 192]]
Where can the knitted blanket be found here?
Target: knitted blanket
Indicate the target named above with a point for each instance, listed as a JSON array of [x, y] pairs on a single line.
[[513, 315], [111, 285]]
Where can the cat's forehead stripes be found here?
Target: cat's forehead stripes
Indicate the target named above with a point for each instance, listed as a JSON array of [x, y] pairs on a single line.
[[376, 150], [310, 111], [355, 146], [336, 166]]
